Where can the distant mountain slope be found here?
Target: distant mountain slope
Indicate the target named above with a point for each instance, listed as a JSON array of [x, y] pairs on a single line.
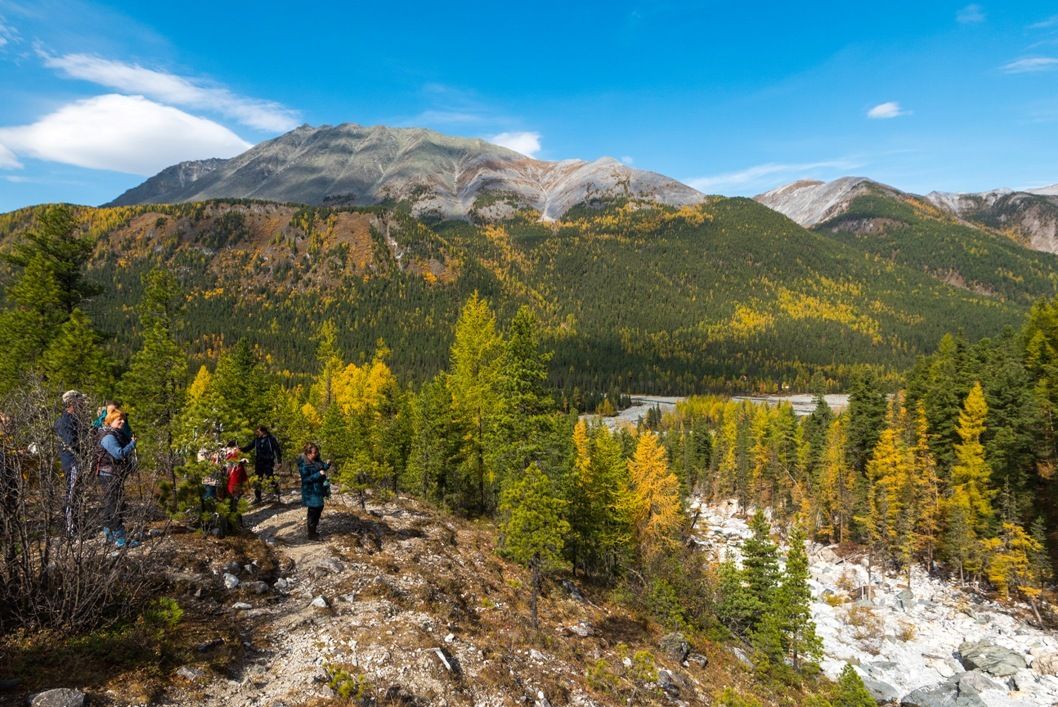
[[922, 233], [449, 177], [1030, 217], [724, 294]]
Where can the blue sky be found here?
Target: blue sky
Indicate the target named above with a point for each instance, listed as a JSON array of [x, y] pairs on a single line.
[[733, 98]]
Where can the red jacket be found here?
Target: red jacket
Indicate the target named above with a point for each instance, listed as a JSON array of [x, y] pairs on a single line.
[[236, 478]]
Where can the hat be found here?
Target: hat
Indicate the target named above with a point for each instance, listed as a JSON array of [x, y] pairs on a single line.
[[70, 395]]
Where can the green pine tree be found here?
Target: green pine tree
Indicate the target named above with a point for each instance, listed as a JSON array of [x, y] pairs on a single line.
[[534, 528], [794, 600], [75, 358], [850, 690]]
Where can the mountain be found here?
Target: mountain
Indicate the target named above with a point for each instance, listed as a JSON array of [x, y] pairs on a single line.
[[922, 233], [1029, 217], [726, 294], [441, 176]]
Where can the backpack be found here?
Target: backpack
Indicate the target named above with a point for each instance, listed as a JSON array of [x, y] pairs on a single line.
[[102, 462], [326, 486]]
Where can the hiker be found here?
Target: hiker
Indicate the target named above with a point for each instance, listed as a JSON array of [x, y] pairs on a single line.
[[109, 407], [267, 453], [315, 487], [112, 466], [71, 434], [236, 477]]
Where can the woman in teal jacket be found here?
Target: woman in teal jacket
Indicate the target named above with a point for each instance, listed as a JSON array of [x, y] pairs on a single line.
[[314, 486]]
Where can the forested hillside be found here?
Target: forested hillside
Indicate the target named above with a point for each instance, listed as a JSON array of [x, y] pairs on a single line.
[[914, 232], [725, 295]]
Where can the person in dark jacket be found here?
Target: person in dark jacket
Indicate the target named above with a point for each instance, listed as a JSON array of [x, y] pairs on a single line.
[[267, 453], [71, 434], [314, 486], [112, 466]]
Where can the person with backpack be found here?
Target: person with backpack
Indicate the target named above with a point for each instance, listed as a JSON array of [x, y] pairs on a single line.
[[71, 433], [267, 453], [112, 466], [315, 487]]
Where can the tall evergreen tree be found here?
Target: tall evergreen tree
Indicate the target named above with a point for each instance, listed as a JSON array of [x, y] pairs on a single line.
[[794, 604], [474, 381], [153, 388], [75, 358], [866, 419], [534, 527]]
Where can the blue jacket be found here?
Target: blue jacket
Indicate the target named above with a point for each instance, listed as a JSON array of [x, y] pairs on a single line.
[[115, 451], [312, 492]]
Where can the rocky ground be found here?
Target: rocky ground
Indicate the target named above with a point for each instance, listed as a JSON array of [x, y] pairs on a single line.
[[401, 604], [932, 645]]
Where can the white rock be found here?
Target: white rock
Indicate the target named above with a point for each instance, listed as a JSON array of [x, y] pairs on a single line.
[[230, 581]]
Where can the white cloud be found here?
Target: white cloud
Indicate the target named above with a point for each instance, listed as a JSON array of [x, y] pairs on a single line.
[[628, 160], [884, 111], [970, 15], [176, 90], [1051, 21], [753, 175], [8, 159], [527, 143], [1030, 64], [121, 133], [8, 34]]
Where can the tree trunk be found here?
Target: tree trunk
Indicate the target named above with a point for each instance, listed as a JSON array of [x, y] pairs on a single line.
[[535, 565]]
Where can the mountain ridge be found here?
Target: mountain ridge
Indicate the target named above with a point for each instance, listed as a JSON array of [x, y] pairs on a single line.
[[445, 176]]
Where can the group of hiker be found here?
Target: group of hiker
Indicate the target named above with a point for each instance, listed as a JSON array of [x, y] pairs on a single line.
[[109, 449]]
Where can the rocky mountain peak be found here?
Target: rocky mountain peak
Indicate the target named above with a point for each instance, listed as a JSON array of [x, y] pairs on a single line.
[[439, 174]]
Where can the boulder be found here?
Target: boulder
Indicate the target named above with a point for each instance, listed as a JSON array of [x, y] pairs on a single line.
[[232, 567], [258, 587], [977, 681], [699, 659], [1024, 680], [990, 658], [675, 646], [581, 629], [241, 606], [319, 603], [230, 581], [667, 682], [60, 697], [945, 694], [880, 690], [1046, 663], [905, 599], [189, 673]]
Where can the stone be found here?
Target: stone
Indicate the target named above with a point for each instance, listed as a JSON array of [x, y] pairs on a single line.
[[741, 655], [541, 699], [880, 690], [241, 606], [1024, 680], [905, 599], [230, 581], [258, 587], [992, 659], [667, 682], [450, 637], [448, 661], [207, 646], [282, 584], [581, 629], [536, 655], [675, 646], [1046, 663], [59, 697], [189, 673], [321, 675], [571, 588], [319, 602], [828, 555], [232, 568], [699, 659], [977, 681], [945, 694]]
